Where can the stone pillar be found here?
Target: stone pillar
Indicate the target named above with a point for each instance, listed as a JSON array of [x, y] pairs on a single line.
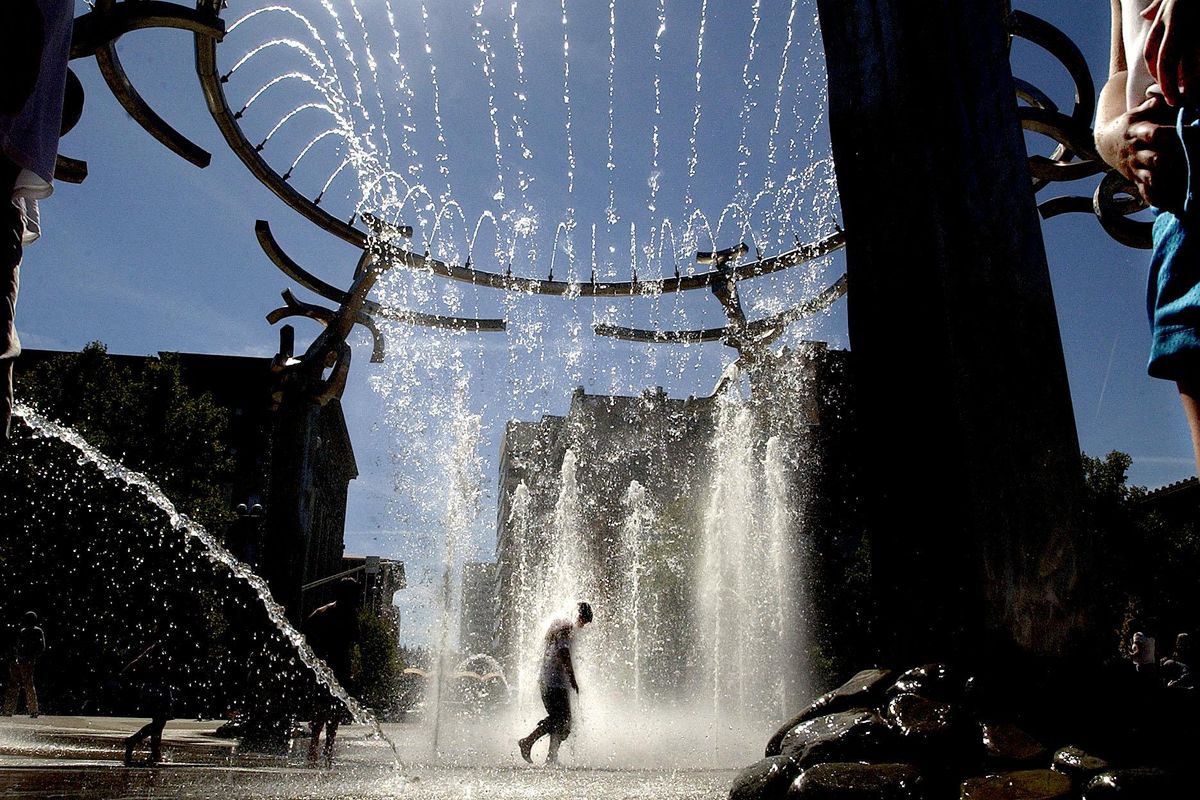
[[969, 452]]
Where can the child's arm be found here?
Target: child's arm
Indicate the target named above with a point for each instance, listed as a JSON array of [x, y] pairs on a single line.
[[1134, 140], [1110, 127]]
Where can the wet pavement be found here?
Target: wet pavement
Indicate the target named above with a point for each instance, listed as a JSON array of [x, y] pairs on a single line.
[[82, 757]]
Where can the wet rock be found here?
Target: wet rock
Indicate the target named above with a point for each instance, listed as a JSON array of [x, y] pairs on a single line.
[[935, 681], [1029, 784], [916, 716], [847, 781], [1006, 742], [846, 736], [860, 692], [1135, 784], [1078, 765], [768, 779], [934, 735]]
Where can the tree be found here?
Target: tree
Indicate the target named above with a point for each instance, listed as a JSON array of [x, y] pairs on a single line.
[[143, 416], [1145, 568]]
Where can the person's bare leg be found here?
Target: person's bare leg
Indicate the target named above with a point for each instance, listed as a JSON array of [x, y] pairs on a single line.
[[526, 744], [1189, 394], [556, 740]]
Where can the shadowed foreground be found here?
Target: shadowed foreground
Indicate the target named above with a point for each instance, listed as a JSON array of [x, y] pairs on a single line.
[[81, 757]]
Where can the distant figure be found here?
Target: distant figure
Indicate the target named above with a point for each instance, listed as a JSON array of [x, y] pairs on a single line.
[[35, 41], [31, 643], [557, 673], [156, 696], [332, 631], [1141, 654], [1176, 671]]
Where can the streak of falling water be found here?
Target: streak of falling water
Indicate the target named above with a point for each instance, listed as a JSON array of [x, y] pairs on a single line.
[[461, 470], [779, 533], [566, 53], [523, 581], [730, 524], [634, 533], [694, 158]]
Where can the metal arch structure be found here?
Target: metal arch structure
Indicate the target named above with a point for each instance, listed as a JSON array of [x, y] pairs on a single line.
[[250, 154], [96, 32]]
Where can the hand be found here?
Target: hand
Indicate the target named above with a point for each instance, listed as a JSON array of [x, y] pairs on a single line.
[[1149, 154], [575, 686], [1172, 50]]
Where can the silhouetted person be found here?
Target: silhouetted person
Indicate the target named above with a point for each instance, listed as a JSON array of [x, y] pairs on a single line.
[[332, 631], [1176, 671], [31, 643], [156, 696], [556, 675], [35, 40]]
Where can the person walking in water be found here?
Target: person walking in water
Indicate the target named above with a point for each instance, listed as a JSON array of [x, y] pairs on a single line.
[[556, 675], [153, 669], [31, 643], [332, 631]]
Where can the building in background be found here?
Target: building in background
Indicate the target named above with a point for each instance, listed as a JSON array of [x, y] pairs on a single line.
[[478, 611]]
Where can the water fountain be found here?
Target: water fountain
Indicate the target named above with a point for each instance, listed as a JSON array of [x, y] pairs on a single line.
[[500, 214]]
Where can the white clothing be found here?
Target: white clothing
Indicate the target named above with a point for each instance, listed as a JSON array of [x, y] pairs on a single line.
[[553, 673], [30, 139]]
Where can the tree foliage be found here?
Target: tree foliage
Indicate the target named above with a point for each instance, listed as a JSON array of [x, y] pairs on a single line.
[[143, 416], [1146, 568]]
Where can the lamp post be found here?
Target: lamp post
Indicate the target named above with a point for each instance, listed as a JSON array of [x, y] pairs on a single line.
[[249, 532]]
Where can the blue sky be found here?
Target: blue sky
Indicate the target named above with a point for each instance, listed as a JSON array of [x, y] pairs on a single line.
[[151, 253]]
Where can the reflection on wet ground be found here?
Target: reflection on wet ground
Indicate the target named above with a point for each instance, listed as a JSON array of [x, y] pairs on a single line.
[[81, 757]]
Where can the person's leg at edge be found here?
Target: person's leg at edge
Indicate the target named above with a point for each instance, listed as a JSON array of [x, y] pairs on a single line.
[[1189, 395], [31, 701], [330, 735], [10, 691], [135, 739], [314, 741], [156, 731], [10, 263]]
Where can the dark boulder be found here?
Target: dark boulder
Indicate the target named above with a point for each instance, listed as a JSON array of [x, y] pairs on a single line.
[[935, 681], [1008, 744], [864, 690], [846, 736], [1077, 764], [1029, 784], [767, 779], [850, 781], [934, 735], [1146, 783]]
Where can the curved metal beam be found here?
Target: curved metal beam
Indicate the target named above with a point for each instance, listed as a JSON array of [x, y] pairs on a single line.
[[661, 337], [1059, 45], [760, 329], [266, 240], [109, 21], [95, 34], [70, 170], [122, 88], [1113, 213]]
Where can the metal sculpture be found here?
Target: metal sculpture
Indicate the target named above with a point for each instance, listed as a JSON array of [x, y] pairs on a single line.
[[96, 32]]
